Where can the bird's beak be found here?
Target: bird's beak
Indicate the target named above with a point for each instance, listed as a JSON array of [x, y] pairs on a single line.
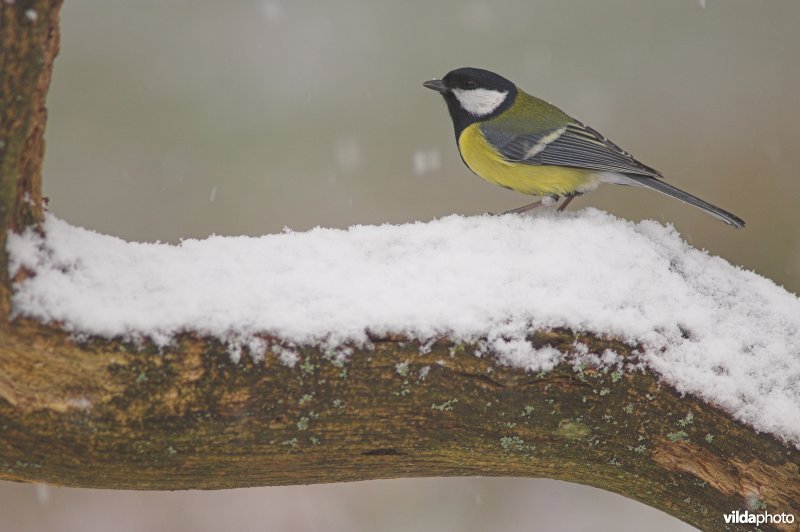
[[435, 84]]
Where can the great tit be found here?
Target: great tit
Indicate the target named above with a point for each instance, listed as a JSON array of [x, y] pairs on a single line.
[[525, 144]]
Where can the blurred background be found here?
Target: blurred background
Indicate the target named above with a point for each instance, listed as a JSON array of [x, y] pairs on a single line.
[[180, 119]]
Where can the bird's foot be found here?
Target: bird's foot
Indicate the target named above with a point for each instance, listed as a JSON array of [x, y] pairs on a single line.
[[544, 202], [526, 208], [566, 202]]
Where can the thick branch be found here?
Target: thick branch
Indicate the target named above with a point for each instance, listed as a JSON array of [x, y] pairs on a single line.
[[104, 415], [29, 41]]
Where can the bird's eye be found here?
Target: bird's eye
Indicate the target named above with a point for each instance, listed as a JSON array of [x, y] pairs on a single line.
[[470, 84]]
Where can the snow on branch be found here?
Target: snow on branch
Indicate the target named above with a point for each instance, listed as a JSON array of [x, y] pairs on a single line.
[[728, 336]]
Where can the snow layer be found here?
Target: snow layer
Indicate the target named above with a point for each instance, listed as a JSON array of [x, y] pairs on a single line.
[[708, 328]]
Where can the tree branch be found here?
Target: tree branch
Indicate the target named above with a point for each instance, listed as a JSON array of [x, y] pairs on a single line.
[[110, 415], [106, 415], [29, 39]]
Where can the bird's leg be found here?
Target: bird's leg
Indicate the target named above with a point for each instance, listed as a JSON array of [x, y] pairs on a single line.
[[525, 208], [566, 202]]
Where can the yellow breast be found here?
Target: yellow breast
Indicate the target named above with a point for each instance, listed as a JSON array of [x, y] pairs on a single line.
[[484, 160]]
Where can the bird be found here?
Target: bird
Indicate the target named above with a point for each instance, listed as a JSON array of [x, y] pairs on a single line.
[[525, 144]]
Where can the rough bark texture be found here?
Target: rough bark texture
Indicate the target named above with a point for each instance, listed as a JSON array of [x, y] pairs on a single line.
[[108, 415], [29, 44]]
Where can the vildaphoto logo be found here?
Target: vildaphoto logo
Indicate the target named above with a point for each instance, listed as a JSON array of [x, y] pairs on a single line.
[[746, 517]]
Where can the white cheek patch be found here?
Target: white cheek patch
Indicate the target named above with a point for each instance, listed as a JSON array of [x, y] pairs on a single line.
[[480, 102]]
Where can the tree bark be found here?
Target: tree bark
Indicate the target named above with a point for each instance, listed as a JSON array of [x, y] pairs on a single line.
[[29, 41], [107, 414]]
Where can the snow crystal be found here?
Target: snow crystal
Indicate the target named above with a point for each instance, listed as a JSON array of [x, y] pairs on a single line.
[[477, 16], [42, 493], [423, 372], [347, 152], [287, 356], [272, 11], [704, 326], [31, 15], [426, 161]]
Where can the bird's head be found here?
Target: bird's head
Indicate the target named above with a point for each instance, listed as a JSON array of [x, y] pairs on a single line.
[[474, 94]]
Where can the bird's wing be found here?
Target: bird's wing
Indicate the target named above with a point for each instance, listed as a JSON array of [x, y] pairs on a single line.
[[574, 144]]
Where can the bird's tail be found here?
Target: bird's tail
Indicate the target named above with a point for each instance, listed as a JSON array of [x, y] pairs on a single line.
[[669, 190]]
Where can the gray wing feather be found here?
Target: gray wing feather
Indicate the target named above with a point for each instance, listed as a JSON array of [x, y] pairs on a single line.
[[514, 147], [575, 145]]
